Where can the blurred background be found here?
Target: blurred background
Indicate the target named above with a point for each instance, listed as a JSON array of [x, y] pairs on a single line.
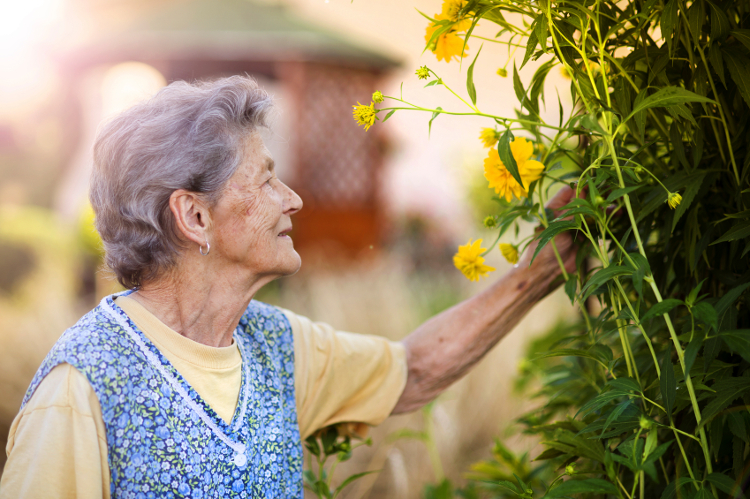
[[384, 209]]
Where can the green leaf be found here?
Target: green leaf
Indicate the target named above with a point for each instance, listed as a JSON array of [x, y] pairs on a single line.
[[551, 231], [388, 115], [600, 401], [674, 487], [704, 312], [507, 485], [719, 23], [519, 90], [642, 269], [740, 73], [717, 61], [727, 391], [692, 186], [542, 31], [742, 35], [739, 230], [352, 478], [704, 493], [738, 342], [603, 276], [435, 114], [668, 21], [737, 426], [616, 413], [726, 484], [624, 383], [570, 288], [729, 298], [666, 97], [618, 193], [658, 452], [568, 352], [667, 382], [661, 308], [506, 155], [690, 300], [587, 486], [470, 88], [531, 44]]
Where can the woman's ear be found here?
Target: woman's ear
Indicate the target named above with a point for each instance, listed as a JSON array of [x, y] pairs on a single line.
[[191, 214]]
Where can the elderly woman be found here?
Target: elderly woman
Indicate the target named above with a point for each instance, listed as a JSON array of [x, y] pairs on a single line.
[[183, 386]]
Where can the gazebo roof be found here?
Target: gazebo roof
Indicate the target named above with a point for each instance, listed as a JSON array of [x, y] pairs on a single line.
[[226, 30]]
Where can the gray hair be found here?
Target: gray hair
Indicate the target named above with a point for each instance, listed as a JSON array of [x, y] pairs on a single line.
[[188, 136]]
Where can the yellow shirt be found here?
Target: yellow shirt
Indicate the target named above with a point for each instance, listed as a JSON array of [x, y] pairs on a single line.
[[57, 446]]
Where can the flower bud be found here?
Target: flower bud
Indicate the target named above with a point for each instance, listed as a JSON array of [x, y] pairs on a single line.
[[510, 252], [377, 96], [674, 200], [570, 469], [502, 72], [598, 200], [423, 73], [645, 422], [490, 222]]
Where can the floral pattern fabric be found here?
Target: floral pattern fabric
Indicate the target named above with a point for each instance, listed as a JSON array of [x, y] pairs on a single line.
[[158, 445]]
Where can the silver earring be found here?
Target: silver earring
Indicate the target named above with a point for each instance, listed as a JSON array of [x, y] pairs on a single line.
[[208, 248]]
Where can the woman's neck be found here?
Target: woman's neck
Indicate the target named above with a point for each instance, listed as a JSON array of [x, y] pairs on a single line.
[[202, 307]]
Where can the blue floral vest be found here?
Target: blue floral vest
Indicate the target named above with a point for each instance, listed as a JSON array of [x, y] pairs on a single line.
[[163, 439]]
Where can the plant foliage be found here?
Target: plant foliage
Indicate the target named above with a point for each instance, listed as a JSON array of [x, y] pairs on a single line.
[[650, 396]]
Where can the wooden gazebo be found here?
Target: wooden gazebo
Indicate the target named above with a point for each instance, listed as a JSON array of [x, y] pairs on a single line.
[[334, 165]]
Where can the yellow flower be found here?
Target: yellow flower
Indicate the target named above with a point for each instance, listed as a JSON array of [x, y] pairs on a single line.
[[446, 46], [377, 96], [510, 252], [674, 200], [468, 261], [365, 115], [500, 178], [423, 73], [489, 137], [450, 11]]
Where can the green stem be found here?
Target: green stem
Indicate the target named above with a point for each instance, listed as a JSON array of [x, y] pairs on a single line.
[[442, 111], [657, 294]]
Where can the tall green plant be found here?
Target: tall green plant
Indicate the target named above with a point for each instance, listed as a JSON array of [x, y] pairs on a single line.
[[653, 393]]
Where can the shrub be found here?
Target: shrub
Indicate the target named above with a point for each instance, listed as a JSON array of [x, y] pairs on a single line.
[[650, 396]]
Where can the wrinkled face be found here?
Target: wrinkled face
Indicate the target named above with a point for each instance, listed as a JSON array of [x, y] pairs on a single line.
[[251, 220]]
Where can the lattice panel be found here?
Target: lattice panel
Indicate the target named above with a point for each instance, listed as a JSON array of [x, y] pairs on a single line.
[[336, 159]]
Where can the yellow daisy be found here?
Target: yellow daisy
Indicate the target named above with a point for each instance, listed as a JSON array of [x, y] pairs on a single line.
[[469, 261], [447, 46], [500, 178], [365, 115]]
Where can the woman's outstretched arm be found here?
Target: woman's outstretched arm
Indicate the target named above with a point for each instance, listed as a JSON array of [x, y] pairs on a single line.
[[443, 349]]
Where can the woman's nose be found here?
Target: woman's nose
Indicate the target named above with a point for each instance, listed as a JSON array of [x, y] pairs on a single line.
[[293, 201]]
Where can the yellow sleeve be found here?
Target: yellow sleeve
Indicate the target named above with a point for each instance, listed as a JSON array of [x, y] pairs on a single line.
[[57, 446], [343, 377]]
